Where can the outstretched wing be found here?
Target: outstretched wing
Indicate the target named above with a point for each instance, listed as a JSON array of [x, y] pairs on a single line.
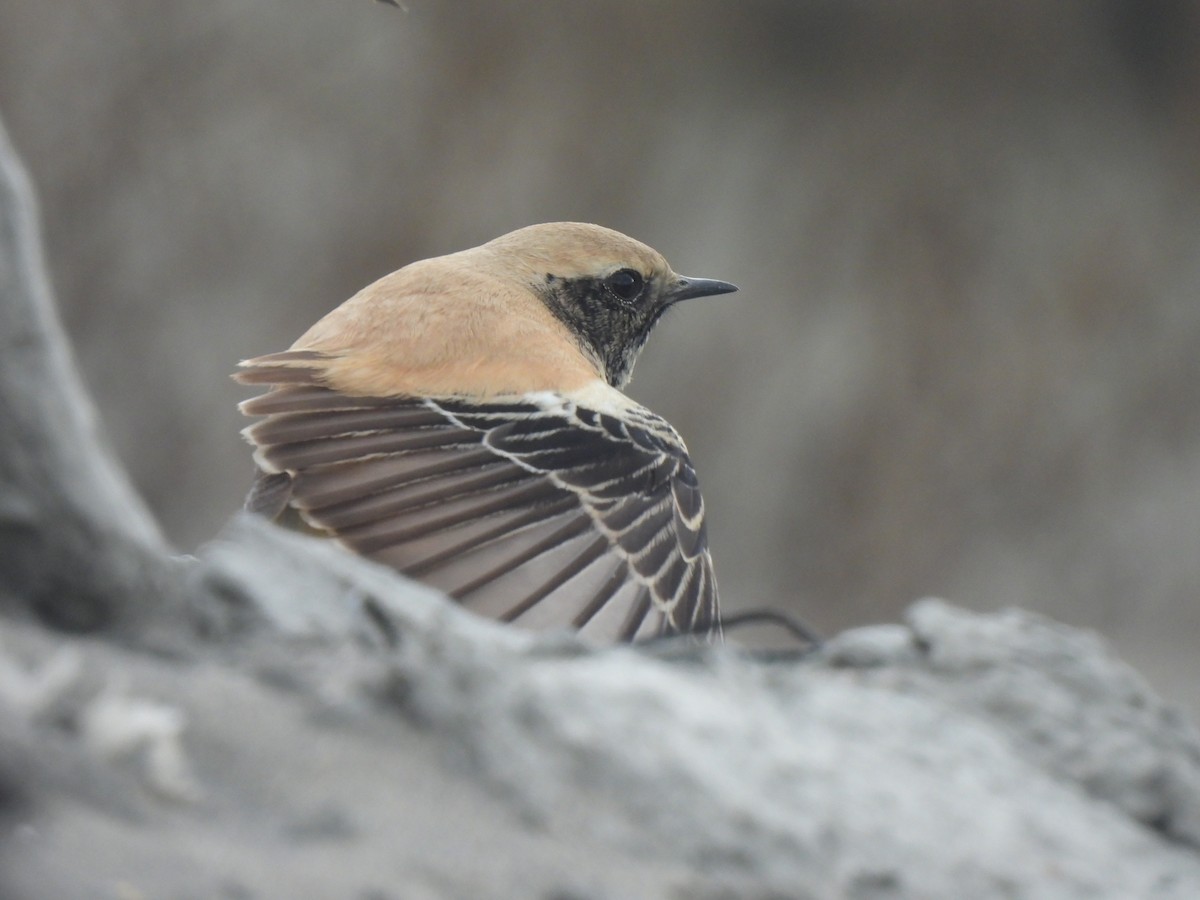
[[534, 510]]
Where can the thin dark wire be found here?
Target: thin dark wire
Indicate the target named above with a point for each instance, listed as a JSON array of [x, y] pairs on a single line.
[[793, 626]]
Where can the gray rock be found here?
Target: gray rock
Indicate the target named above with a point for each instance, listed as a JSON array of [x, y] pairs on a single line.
[[371, 737]]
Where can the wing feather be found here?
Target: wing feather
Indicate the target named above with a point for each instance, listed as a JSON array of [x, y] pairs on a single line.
[[301, 426], [422, 492], [596, 548], [306, 398], [555, 539], [537, 510], [354, 479], [599, 600], [535, 501], [636, 616], [307, 454]]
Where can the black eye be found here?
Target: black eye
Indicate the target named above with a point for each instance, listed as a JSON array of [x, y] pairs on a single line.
[[625, 284]]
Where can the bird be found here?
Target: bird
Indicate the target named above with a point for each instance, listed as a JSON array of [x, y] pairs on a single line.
[[462, 420]]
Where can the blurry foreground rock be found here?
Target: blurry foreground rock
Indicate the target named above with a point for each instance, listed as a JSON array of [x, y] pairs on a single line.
[[279, 719]]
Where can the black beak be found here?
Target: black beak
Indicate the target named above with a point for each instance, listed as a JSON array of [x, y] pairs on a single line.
[[687, 288]]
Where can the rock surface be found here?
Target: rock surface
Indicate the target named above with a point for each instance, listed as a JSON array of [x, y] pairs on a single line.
[[328, 729]]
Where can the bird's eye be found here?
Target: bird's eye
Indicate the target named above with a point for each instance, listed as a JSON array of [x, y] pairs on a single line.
[[625, 284]]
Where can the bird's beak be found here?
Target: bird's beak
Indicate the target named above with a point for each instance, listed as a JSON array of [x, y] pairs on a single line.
[[686, 288]]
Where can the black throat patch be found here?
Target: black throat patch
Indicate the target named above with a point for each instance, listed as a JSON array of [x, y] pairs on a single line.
[[610, 330]]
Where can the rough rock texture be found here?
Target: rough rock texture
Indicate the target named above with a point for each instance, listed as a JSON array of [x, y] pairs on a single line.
[[335, 731], [276, 718], [76, 542]]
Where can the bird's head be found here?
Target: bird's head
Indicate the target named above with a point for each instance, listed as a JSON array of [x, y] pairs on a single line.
[[608, 289]]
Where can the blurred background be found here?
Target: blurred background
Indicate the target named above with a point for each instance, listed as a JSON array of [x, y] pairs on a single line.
[[965, 358]]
